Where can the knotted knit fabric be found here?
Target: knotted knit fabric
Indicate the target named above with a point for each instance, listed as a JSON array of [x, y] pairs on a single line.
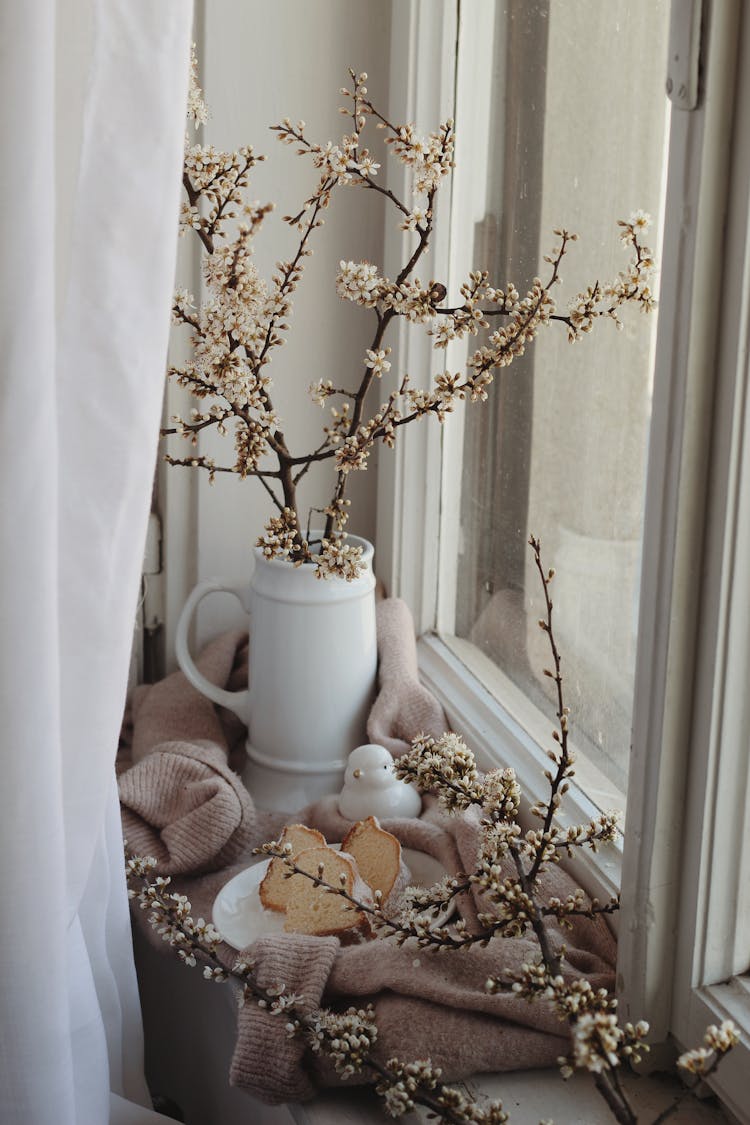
[[183, 803]]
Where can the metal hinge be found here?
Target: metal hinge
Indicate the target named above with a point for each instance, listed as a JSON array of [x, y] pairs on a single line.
[[684, 53], [153, 587], [152, 602]]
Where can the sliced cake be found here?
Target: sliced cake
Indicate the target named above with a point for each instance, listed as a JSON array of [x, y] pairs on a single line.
[[274, 889], [377, 854], [312, 909]]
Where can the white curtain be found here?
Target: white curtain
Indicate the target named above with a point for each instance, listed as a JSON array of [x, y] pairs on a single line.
[[80, 398]]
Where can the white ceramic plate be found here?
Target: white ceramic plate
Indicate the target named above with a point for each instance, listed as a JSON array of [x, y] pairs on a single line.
[[240, 918]]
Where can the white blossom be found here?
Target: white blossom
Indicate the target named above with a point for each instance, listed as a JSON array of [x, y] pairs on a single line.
[[196, 111], [359, 282], [415, 219], [321, 390], [377, 361], [717, 1041], [338, 558], [596, 1038]]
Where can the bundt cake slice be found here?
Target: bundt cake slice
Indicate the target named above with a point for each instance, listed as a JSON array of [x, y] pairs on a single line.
[[312, 909], [377, 854], [274, 888]]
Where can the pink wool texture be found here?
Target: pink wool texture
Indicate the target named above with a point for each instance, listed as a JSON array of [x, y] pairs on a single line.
[[183, 804]]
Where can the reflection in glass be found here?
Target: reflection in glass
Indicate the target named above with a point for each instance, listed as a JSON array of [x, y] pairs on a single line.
[[577, 130]]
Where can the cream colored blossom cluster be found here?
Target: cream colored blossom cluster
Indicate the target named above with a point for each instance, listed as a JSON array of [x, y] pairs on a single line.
[[600, 1043], [170, 914], [279, 541], [336, 557], [430, 158], [445, 765], [430, 900], [346, 1037], [716, 1042], [632, 285], [196, 108], [245, 318], [407, 1083], [359, 282]]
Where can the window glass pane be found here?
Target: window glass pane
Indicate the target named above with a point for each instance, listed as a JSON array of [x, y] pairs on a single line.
[[575, 131]]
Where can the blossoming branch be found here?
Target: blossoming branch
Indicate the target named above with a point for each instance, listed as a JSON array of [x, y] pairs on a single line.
[[347, 1038], [509, 875], [245, 318]]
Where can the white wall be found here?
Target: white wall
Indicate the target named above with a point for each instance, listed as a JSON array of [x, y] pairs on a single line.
[[260, 62]]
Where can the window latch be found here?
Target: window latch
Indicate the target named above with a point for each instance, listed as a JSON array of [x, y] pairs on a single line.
[[684, 53], [153, 586]]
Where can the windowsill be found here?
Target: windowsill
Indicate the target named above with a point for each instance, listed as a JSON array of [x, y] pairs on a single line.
[[528, 1097], [712, 1004], [190, 1032]]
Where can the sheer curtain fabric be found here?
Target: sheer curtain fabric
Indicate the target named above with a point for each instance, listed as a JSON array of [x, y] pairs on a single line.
[[80, 398]]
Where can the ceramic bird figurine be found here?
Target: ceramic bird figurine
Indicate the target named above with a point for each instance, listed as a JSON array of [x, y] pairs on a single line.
[[372, 789]]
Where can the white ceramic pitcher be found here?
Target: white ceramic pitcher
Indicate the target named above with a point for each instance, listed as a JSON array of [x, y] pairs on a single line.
[[313, 665]]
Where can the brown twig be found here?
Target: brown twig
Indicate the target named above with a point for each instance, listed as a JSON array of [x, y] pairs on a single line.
[[430, 1098]]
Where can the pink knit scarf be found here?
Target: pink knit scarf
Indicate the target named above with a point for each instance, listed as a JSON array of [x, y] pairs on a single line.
[[183, 804]]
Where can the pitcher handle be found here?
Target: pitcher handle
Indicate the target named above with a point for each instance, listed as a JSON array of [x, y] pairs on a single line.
[[236, 701]]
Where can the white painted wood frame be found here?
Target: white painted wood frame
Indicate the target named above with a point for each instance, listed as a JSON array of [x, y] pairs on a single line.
[[672, 583], [408, 510], [684, 864], [712, 964]]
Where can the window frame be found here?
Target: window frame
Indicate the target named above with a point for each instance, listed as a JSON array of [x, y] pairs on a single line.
[[422, 88], [712, 966], [685, 609]]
